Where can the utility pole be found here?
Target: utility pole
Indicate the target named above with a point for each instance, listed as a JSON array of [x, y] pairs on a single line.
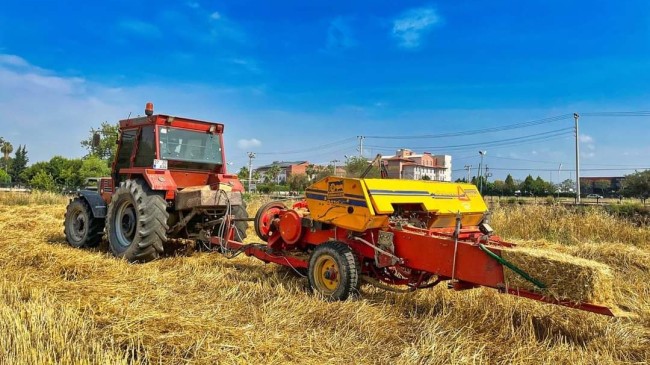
[[576, 117], [334, 162], [480, 171], [487, 174], [251, 156], [361, 138], [559, 180], [469, 172]]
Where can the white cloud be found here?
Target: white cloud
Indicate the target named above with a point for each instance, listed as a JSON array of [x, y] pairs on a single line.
[[586, 139], [13, 60], [215, 15], [248, 143], [339, 35], [589, 146], [51, 112], [410, 27]]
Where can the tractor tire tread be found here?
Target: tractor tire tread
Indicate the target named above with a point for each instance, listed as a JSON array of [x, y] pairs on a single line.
[[95, 228], [151, 233]]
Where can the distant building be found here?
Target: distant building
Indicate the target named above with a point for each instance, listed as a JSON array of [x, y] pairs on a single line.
[[287, 168], [603, 185], [408, 165]]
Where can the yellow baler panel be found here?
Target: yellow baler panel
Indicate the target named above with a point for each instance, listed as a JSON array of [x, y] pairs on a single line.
[[343, 202], [440, 198]]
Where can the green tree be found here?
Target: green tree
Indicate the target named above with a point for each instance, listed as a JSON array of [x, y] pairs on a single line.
[[93, 167], [107, 146], [356, 165], [498, 187], [540, 187], [43, 181], [603, 186], [637, 185], [510, 186], [528, 186], [243, 173], [5, 179], [6, 148], [311, 171], [426, 178], [69, 175], [272, 173], [323, 172], [19, 164], [32, 170], [567, 185], [298, 182]]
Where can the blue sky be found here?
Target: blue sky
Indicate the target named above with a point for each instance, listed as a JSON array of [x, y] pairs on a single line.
[[287, 77]]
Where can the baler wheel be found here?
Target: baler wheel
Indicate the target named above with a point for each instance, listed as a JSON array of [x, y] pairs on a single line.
[[81, 228], [265, 215], [136, 222], [334, 271]]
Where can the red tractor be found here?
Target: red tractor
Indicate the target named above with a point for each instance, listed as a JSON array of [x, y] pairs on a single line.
[[168, 181]]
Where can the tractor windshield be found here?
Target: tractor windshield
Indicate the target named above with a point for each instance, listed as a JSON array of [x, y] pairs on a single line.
[[190, 146]]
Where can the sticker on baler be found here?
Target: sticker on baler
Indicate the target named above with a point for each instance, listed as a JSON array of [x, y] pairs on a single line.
[[335, 190]]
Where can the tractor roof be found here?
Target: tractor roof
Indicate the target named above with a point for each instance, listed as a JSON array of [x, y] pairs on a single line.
[[171, 121]]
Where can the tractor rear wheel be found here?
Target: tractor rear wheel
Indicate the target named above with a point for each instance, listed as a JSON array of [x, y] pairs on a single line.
[[81, 228], [136, 222], [334, 271]]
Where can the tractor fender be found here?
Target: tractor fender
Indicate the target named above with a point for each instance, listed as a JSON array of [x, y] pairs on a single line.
[[95, 201], [161, 180]]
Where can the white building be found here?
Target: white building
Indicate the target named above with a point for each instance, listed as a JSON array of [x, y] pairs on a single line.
[[408, 165]]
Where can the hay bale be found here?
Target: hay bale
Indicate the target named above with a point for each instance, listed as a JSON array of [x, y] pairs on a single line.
[[565, 276]]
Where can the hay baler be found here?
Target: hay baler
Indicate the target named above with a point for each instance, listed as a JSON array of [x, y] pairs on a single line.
[[395, 234]]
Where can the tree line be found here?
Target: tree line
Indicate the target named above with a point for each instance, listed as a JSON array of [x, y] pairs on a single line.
[[59, 174], [636, 185], [65, 174]]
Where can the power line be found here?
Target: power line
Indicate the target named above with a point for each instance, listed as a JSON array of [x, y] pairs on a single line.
[[321, 147], [617, 114], [599, 169], [528, 138], [481, 131]]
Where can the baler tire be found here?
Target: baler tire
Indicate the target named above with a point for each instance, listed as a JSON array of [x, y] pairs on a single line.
[[88, 230], [147, 232], [239, 211], [348, 273]]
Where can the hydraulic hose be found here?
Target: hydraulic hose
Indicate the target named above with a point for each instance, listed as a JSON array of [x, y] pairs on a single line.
[[512, 267]]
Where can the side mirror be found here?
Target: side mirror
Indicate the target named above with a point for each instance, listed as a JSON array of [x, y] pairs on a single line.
[[96, 140]]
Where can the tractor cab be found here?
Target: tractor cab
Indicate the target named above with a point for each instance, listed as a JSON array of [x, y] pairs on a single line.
[[171, 153]]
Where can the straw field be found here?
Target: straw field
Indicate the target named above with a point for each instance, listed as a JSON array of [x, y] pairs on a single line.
[[61, 305]]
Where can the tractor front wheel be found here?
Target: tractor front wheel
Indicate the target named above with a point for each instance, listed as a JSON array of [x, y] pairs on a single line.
[[136, 222], [334, 271], [81, 228]]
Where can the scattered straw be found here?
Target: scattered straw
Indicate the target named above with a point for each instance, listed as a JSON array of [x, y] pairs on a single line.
[[62, 305]]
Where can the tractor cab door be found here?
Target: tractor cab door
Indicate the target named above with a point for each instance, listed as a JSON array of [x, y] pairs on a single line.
[[124, 152]]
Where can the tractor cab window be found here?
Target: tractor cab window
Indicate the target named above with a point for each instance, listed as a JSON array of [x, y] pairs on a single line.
[[190, 146]]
